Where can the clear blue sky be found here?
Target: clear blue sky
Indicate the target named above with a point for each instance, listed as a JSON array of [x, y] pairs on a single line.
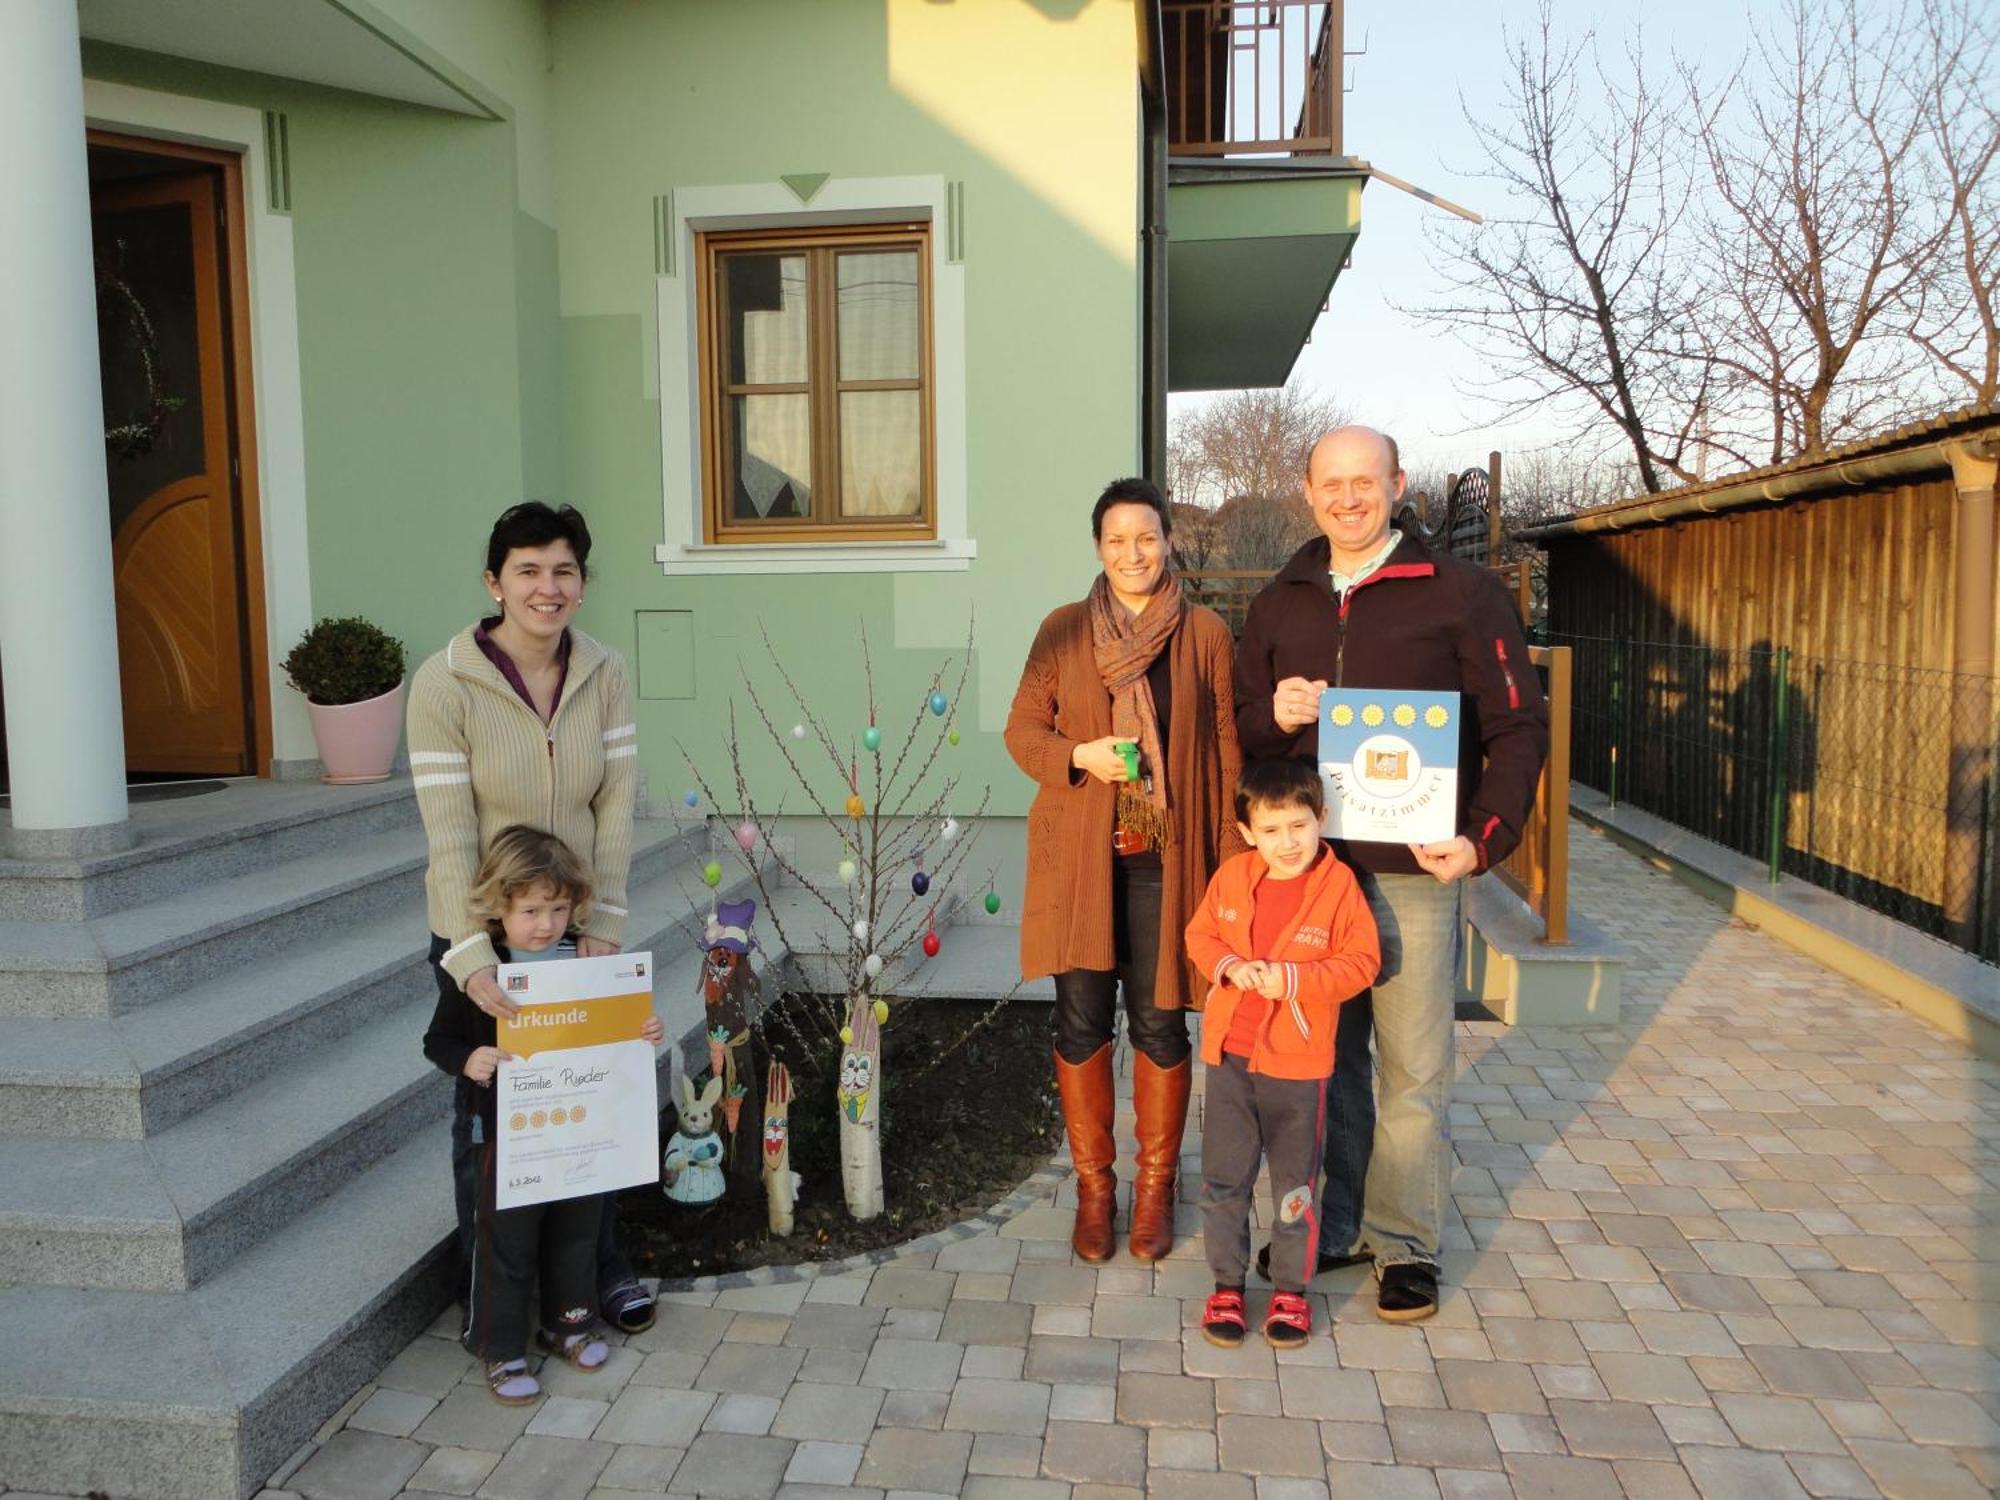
[[1404, 115]]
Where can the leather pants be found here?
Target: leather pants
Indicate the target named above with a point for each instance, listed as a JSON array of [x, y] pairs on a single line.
[[1087, 999]]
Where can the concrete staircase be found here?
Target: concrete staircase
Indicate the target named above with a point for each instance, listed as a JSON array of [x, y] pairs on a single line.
[[225, 1195]]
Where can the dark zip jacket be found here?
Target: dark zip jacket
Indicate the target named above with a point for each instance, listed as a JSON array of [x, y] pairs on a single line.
[[1423, 621], [459, 1028]]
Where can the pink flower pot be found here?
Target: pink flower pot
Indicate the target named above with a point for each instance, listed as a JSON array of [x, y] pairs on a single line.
[[357, 741]]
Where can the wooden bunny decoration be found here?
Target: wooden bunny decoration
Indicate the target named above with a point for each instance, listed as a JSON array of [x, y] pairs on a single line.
[[781, 1183]]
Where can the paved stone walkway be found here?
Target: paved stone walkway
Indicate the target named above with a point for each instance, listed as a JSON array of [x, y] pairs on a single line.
[[1743, 1244]]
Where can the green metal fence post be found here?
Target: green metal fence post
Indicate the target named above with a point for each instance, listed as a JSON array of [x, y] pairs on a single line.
[[1779, 754], [1617, 720]]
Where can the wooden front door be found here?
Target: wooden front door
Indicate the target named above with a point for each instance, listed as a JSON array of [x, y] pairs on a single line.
[[170, 446]]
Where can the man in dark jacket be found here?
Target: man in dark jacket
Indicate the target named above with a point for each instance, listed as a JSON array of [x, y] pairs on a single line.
[[1366, 604]]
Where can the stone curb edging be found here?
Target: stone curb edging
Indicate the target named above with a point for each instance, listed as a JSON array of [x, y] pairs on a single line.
[[1711, 872], [1038, 1187]]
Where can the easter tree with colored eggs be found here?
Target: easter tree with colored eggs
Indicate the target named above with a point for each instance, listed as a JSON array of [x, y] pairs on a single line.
[[877, 776]]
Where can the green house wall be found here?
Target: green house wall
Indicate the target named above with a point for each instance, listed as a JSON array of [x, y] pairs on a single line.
[[420, 283], [476, 322]]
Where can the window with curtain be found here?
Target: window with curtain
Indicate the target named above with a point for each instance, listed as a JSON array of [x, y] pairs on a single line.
[[816, 385]]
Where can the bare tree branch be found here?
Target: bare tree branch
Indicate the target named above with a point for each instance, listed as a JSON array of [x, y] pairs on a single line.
[[1954, 315], [1819, 230], [1583, 295], [1238, 461], [1749, 267]]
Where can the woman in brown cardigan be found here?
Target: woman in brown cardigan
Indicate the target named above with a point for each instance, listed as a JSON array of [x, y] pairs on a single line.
[[1116, 864]]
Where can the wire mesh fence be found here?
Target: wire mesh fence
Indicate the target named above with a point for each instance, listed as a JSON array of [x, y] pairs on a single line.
[[1870, 780]]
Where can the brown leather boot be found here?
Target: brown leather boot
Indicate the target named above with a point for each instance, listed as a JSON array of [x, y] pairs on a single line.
[[1160, 1100], [1086, 1089]]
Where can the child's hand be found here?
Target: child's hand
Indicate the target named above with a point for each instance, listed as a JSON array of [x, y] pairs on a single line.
[[653, 1031], [1245, 974], [1271, 982], [479, 1067]]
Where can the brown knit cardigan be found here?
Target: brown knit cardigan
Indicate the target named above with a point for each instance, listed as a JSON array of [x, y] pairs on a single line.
[[1061, 702]]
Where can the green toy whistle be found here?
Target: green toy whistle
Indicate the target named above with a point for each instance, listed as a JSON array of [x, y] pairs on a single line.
[[1129, 752]]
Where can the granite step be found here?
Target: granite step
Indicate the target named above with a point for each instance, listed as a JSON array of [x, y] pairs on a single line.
[[165, 1213], [208, 1390], [115, 964], [195, 1395], [86, 1213], [168, 1211], [123, 1075], [248, 825]]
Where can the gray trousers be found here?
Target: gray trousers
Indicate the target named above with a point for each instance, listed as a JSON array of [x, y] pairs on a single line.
[[1247, 1116]]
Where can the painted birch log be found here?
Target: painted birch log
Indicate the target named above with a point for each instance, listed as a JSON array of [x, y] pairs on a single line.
[[781, 1183], [858, 1095]]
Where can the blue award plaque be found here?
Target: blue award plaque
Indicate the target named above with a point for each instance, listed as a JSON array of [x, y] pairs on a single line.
[[1389, 761]]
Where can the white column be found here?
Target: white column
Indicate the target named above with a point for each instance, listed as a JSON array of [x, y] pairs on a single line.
[[58, 628]]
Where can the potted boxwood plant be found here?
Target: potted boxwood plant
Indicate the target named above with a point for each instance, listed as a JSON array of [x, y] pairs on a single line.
[[351, 673]]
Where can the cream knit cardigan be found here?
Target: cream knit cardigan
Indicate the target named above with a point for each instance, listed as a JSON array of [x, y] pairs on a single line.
[[482, 760]]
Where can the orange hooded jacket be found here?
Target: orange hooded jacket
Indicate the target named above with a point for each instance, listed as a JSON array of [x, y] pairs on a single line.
[[1330, 954]]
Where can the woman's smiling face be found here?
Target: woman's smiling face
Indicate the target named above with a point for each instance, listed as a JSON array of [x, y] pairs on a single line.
[[538, 588], [1132, 545]]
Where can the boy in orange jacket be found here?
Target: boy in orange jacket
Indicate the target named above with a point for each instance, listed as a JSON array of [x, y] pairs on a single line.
[[1284, 935]]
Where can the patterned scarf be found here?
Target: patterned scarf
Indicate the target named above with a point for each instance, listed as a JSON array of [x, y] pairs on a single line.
[[1126, 645]]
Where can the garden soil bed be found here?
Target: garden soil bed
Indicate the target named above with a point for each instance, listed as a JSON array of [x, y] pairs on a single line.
[[956, 1138]]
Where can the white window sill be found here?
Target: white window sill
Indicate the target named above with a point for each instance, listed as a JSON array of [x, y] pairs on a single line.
[[677, 560]]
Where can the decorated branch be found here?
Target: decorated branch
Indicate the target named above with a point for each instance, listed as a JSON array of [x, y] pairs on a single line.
[[876, 779]]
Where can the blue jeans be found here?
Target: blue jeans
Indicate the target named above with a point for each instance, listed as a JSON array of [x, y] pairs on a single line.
[[1388, 1163]]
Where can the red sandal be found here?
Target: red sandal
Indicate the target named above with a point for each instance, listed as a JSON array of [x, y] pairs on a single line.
[[1289, 1323], [1223, 1322]]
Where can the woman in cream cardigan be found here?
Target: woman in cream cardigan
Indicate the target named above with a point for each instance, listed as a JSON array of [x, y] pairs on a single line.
[[523, 719]]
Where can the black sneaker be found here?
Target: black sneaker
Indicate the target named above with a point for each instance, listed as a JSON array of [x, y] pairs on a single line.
[[1328, 1261], [1408, 1294]]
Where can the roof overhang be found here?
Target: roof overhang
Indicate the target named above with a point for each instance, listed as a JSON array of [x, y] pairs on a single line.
[[1918, 451], [342, 44], [1254, 247]]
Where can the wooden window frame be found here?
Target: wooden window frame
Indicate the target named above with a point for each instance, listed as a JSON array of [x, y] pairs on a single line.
[[822, 386]]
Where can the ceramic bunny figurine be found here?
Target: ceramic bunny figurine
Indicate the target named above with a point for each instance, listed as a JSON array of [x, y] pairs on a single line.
[[691, 1169], [781, 1183]]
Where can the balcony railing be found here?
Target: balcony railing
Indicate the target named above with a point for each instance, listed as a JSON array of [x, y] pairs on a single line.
[[1252, 77]]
